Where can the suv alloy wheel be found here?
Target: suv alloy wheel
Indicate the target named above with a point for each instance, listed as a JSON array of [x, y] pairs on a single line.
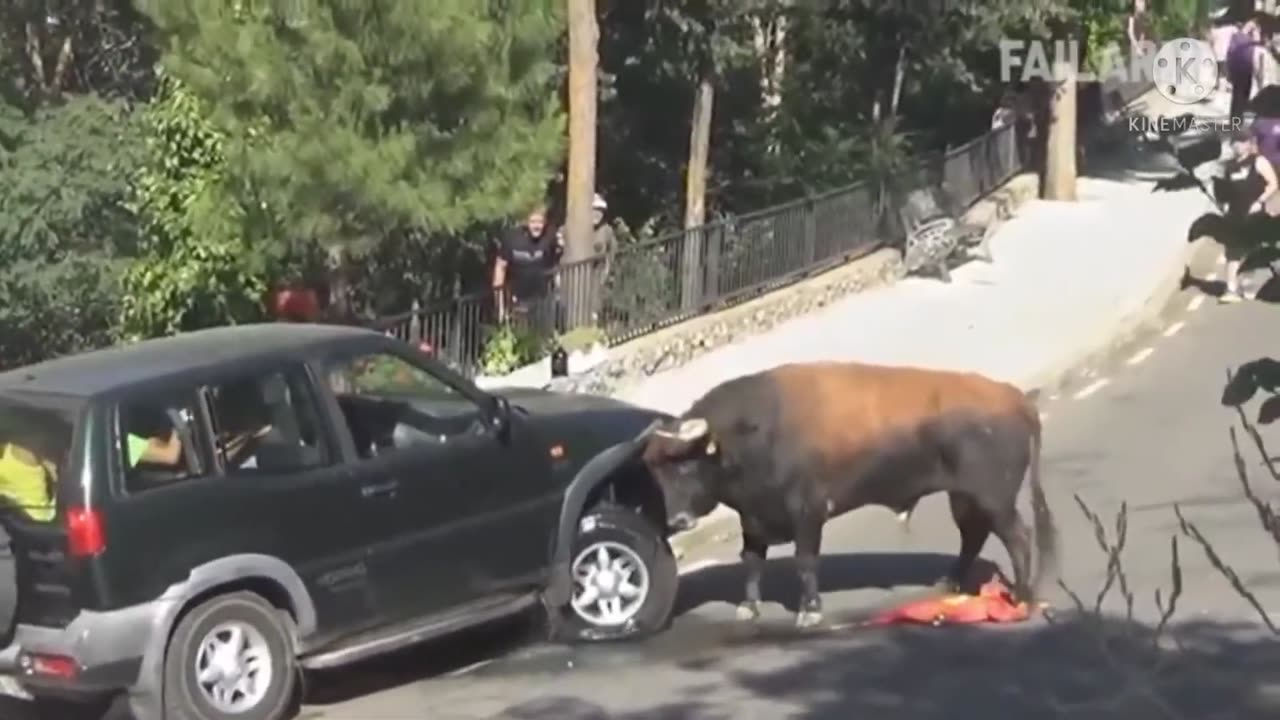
[[624, 577], [230, 659]]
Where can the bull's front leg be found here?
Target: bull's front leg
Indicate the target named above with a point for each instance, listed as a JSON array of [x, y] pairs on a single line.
[[754, 552], [808, 546]]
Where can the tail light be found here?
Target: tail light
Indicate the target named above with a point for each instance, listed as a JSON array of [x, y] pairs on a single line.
[[85, 537]]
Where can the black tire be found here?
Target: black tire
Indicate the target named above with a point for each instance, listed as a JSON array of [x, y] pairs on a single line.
[[632, 530], [183, 697]]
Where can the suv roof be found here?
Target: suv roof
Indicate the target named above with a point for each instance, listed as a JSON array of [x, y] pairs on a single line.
[[105, 370]]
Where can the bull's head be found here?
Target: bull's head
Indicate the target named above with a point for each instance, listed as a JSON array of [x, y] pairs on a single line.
[[683, 457]]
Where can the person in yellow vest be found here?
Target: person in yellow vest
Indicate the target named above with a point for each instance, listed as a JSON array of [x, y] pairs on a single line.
[[28, 481]]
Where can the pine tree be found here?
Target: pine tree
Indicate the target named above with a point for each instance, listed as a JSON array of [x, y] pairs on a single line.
[[351, 119]]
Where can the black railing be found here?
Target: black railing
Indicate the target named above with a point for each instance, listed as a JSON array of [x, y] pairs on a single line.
[[649, 284], [646, 285]]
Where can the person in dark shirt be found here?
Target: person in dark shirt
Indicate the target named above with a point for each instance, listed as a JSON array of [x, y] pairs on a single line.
[[1249, 187], [524, 272]]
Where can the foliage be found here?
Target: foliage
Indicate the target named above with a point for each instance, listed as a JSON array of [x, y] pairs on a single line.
[[51, 48], [642, 286], [581, 338], [64, 231], [196, 268], [358, 120], [1261, 374], [1177, 18], [509, 347]]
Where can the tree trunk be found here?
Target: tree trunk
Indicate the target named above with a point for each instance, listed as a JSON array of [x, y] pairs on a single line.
[[695, 212], [899, 76], [584, 35], [1060, 161], [770, 41]]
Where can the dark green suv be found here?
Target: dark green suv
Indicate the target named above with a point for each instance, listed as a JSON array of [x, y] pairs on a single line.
[[195, 519]]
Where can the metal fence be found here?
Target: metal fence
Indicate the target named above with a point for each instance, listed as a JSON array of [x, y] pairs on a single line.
[[646, 285]]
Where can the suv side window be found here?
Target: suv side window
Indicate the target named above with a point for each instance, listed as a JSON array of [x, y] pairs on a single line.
[[159, 441], [387, 375], [268, 422], [390, 404]]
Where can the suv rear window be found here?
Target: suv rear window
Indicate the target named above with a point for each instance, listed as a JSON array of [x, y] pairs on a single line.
[[35, 445]]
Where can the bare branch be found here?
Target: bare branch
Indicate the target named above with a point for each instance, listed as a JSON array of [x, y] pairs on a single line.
[[1191, 531]]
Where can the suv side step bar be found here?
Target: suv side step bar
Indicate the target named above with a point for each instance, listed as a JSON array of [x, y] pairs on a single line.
[[396, 637]]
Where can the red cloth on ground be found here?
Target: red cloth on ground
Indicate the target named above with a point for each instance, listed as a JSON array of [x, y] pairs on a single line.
[[993, 603]]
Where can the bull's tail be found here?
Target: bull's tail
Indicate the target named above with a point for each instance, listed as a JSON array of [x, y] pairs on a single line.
[[1046, 534]]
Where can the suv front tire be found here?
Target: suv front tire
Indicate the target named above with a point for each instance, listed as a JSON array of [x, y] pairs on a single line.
[[230, 658], [624, 577]]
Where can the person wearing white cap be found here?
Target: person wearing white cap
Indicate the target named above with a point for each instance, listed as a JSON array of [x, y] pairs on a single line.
[[603, 245]]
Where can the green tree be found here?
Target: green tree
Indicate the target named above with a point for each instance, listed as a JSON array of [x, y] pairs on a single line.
[[354, 120], [196, 267], [64, 232]]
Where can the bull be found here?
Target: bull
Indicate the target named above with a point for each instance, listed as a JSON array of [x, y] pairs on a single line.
[[794, 446]]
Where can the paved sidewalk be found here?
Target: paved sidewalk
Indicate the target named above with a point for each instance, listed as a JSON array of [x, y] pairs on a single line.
[[1067, 277]]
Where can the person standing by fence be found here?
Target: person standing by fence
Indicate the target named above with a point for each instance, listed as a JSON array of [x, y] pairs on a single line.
[[524, 273], [603, 245], [1244, 60]]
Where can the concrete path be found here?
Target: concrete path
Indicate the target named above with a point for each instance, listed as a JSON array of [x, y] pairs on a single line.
[[1067, 278]]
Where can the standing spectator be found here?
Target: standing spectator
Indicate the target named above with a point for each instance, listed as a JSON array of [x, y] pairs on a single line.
[[603, 245], [1244, 61], [524, 273], [1220, 38], [1251, 183], [1139, 29]]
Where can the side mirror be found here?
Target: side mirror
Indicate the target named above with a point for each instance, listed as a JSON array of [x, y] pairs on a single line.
[[500, 415]]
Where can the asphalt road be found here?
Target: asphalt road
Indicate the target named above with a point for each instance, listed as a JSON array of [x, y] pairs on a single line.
[[1153, 436], [1150, 434]]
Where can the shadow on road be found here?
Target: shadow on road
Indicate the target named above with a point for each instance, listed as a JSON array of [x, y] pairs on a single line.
[[1074, 667], [717, 584], [836, 573]]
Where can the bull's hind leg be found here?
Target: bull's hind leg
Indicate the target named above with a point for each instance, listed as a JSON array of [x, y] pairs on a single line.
[[1013, 532], [808, 546], [974, 525], [754, 552]]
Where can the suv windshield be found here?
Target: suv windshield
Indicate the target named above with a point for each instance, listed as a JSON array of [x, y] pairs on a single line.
[[35, 444]]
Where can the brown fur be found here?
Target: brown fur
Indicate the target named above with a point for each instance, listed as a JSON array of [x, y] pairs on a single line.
[[846, 406]]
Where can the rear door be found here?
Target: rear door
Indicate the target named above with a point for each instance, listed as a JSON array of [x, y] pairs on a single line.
[[267, 480], [475, 511], [37, 434]]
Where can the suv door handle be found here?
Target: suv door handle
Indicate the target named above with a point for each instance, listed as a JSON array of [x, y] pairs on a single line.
[[387, 489]]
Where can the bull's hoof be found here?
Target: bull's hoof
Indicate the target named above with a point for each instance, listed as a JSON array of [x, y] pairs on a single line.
[[747, 612], [948, 584], [808, 618]]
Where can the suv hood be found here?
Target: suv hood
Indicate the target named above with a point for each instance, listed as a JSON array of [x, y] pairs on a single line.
[[546, 402], [588, 423]]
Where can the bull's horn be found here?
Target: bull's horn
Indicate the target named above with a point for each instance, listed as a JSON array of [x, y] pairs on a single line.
[[689, 430], [692, 429]]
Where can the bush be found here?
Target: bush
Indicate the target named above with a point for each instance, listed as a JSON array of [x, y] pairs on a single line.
[[196, 269], [64, 228]]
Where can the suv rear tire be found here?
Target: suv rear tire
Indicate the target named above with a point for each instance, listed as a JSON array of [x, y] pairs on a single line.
[[205, 637], [620, 554]]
